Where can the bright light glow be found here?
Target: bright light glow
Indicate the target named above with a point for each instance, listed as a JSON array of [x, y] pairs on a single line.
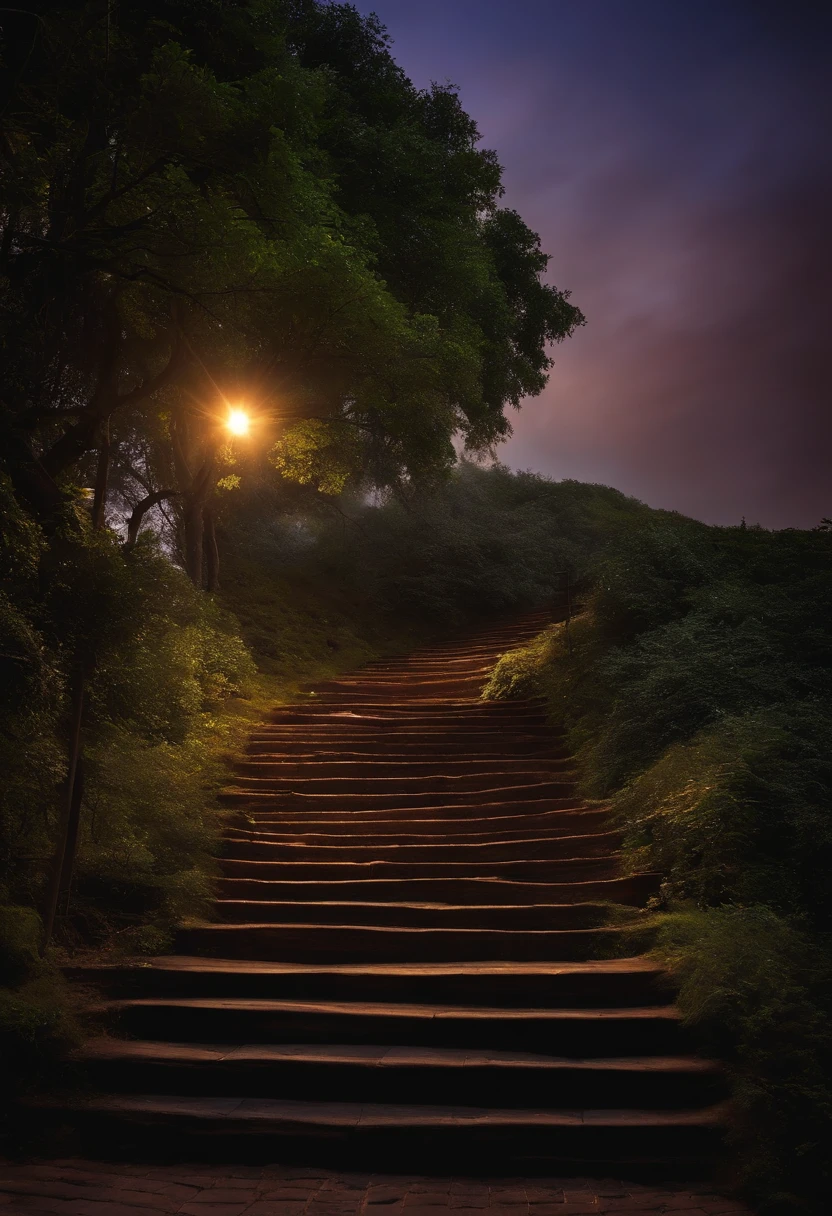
[[238, 422]]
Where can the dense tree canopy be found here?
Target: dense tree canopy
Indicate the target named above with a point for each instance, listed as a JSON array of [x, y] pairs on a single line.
[[202, 202]]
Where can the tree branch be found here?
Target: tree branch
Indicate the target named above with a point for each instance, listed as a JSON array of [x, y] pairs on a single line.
[[141, 509]]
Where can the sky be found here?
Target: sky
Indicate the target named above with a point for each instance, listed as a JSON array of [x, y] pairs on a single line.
[[675, 157]]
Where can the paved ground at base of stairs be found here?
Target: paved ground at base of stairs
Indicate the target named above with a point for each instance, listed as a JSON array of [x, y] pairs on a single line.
[[87, 1188]]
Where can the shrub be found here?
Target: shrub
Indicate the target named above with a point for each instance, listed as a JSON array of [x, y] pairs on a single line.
[[697, 696], [759, 992], [37, 1026]]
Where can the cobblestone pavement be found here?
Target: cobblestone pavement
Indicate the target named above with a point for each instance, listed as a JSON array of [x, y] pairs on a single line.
[[87, 1188]]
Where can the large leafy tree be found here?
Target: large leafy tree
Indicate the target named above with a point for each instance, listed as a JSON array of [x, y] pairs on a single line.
[[202, 201]]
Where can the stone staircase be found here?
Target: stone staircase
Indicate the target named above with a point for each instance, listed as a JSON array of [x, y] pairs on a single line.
[[415, 961]]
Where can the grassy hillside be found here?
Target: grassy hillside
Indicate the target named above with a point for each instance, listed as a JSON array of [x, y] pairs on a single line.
[[697, 696]]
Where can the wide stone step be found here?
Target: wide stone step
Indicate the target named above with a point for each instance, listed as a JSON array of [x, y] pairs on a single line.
[[336, 742], [370, 943], [596, 844], [595, 1033], [254, 788], [609, 983], [410, 1075], [406, 687], [437, 769], [415, 915], [633, 890], [579, 869], [267, 777], [492, 750], [334, 831], [359, 1136], [437, 714], [263, 808]]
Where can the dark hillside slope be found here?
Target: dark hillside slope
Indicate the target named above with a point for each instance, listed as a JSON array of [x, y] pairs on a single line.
[[697, 696]]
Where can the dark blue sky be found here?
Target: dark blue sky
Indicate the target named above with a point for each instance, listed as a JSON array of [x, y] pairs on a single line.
[[675, 157]]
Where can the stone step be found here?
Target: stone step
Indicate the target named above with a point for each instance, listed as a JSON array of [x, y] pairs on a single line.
[[393, 722], [335, 831], [257, 790], [634, 890], [610, 983], [595, 844], [592, 1033], [295, 742], [359, 1136], [402, 743], [262, 811], [369, 943], [268, 778], [439, 713], [459, 685], [414, 915], [405, 771], [402, 1075], [580, 869], [266, 809]]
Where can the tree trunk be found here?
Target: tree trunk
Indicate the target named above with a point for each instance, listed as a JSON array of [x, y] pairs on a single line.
[[73, 828], [139, 512], [194, 529], [212, 553], [68, 826], [102, 473]]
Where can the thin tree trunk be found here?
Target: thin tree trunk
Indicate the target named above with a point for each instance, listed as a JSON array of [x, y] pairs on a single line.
[[102, 473], [194, 529], [68, 826], [141, 509], [73, 828], [212, 553]]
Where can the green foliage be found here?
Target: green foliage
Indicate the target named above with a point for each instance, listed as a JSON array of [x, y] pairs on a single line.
[[478, 541], [252, 200], [697, 697], [20, 934], [161, 663], [740, 813], [37, 1026], [759, 991]]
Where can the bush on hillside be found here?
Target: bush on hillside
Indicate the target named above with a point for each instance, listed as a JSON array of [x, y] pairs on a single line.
[[758, 989], [697, 697], [36, 1025]]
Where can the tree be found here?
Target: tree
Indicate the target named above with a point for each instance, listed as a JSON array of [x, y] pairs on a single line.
[[201, 202]]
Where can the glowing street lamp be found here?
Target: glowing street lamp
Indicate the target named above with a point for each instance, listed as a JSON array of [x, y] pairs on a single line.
[[238, 422]]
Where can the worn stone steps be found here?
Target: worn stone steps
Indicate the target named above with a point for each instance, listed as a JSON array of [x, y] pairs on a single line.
[[404, 1075], [401, 791], [566, 1032], [628, 891], [403, 773], [459, 813], [251, 790], [473, 833], [369, 942], [606, 983], [594, 844], [414, 915], [576, 869], [425, 951], [360, 1135]]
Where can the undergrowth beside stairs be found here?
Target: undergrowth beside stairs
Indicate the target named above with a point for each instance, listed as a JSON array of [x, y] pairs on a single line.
[[697, 697]]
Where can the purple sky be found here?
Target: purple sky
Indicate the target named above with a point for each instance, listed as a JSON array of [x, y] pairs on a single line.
[[675, 157]]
